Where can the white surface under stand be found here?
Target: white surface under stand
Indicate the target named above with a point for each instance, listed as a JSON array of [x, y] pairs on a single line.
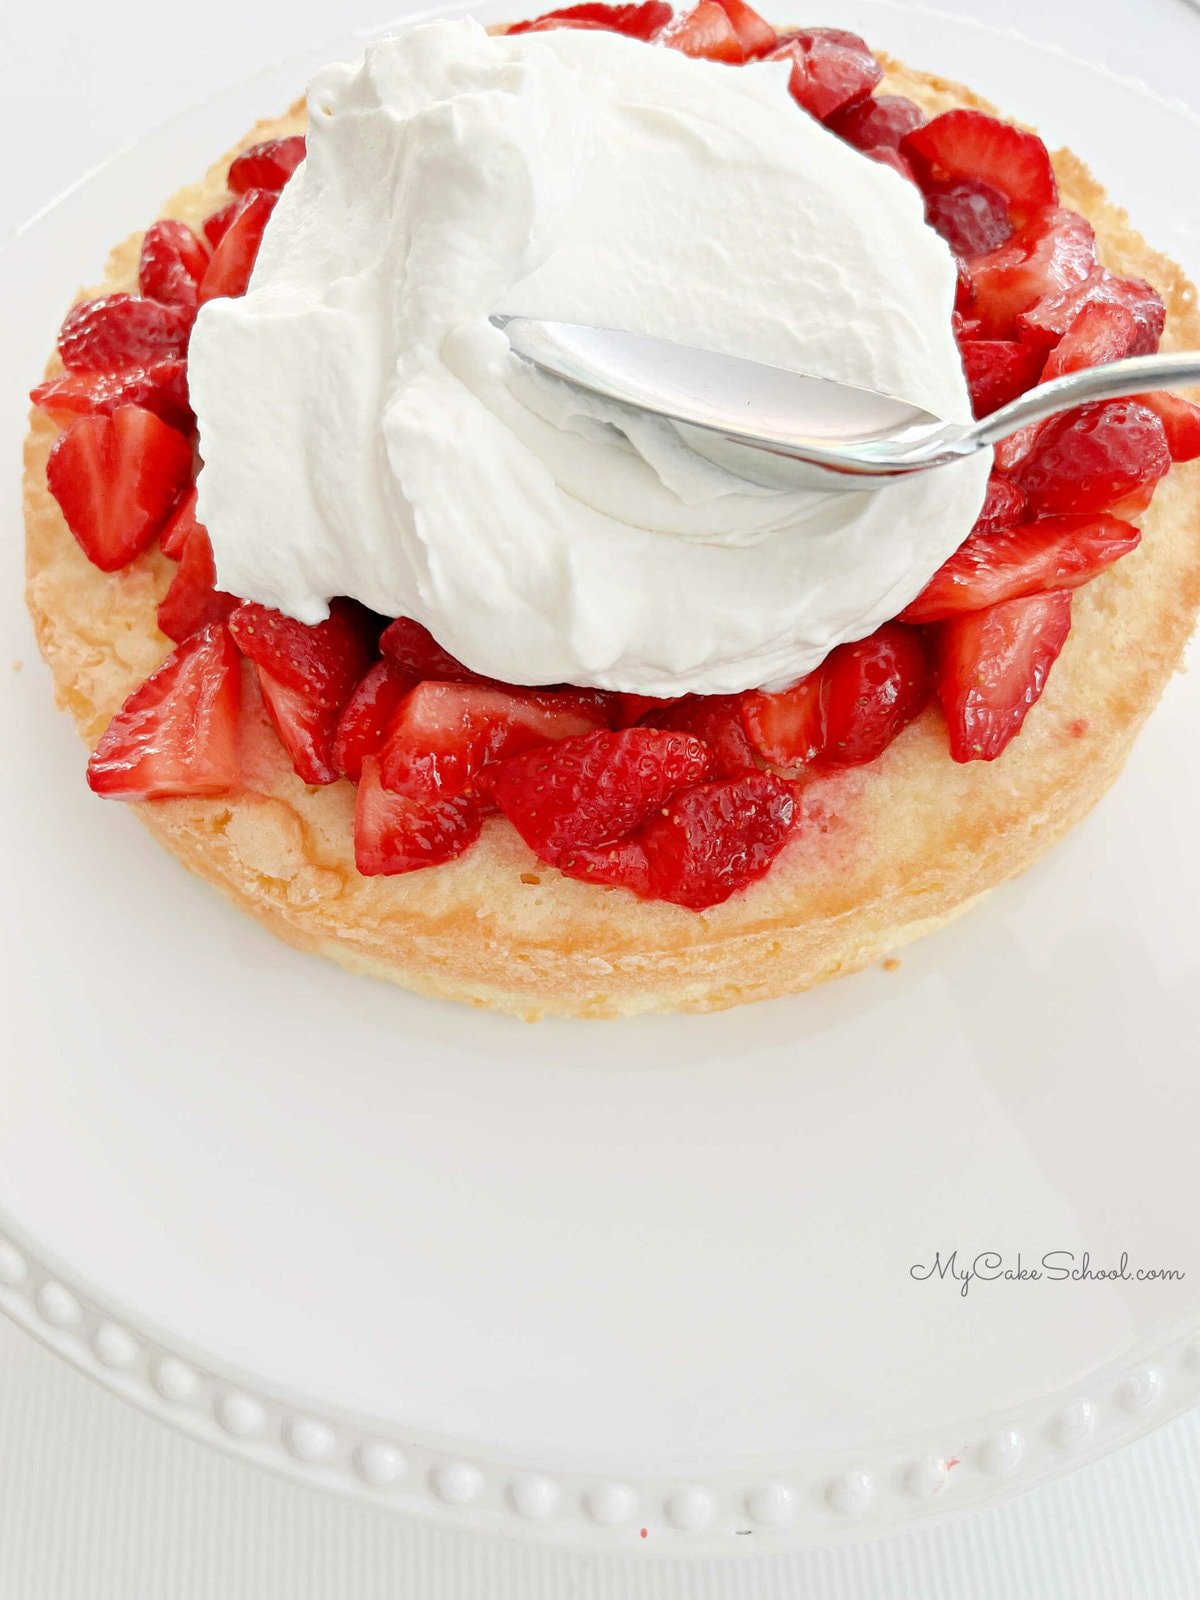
[[98, 1501]]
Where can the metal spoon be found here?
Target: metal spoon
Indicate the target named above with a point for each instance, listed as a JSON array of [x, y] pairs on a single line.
[[788, 431]]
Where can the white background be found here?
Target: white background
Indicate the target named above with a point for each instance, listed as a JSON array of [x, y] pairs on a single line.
[[97, 1501]]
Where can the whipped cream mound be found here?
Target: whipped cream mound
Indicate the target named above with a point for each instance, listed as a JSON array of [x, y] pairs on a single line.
[[365, 431]]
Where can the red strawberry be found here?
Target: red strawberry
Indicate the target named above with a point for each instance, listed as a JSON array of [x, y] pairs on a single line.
[[643, 21], [707, 843], [266, 166], [970, 144], [1003, 505], [718, 720], [1089, 457], [234, 257], [971, 216], [1053, 252], [306, 729], [869, 692], [173, 261], [595, 788], [631, 708], [1180, 420], [193, 599], [991, 666], [116, 479], [216, 226], [393, 834], [704, 31], [1133, 505], [831, 69], [879, 122], [1048, 318], [755, 34], [362, 728], [120, 331], [177, 732], [178, 527], [1054, 553], [444, 733], [785, 727], [160, 387], [1098, 333], [1008, 455], [998, 370], [417, 653]]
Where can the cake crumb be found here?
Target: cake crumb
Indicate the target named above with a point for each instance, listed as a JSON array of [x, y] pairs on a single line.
[[530, 877], [892, 964], [17, 666]]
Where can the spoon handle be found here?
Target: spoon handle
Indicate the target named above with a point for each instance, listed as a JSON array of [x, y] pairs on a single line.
[[1135, 375]]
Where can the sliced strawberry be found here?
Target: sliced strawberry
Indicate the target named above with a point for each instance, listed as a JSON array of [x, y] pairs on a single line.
[[831, 69], [869, 692], [1053, 553], [971, 216], [120, 331], [1053, 252], [266, 166], [706, 844], [704, 31], [1099, 332], [306, 729], [991, 666], [1003, 505], [161, 387], [233, 258], [216, 226], [445, 732], [1180, 420], [1130, 506], [173, 261], [631, 708], [718, 720], [177, 732], [643, 21], [786, 727], [755, 34], [417, 653], [1048, 318], [1089, 457], [363, 726], [880, 122], [1008, 455], [393, 834], [964, 325], [324, 661], [193, 599], [117, 479], [595, 788], [970, 144], [998, 370], [178, 526]]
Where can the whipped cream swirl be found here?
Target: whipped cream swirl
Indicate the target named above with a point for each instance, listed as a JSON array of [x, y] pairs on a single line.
[[365, 431]]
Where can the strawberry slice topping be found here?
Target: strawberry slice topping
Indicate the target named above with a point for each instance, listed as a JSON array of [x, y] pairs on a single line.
[[393, 834], [1003, 505], [216, 225], [998, 370], [971, 216], [869, 692], [718, 720], [1053, 252], [173, 261], [193, 599], [306, 728], [878, 123], [643, 21], [595, 788], [831, 69], [1180, 420], [444, 733], [705, 31], [1053, 553], [991, 666], [116, 479], [418, 654], [119, 331], [970, 144], [178, 526], [367, 716], [755, 34], [266, 166], [1099, 332], [1048, 318], [1086, 459], [160, 387], [631, 708], [786, 728], [176, 735], [705, 845], [234, 256]]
